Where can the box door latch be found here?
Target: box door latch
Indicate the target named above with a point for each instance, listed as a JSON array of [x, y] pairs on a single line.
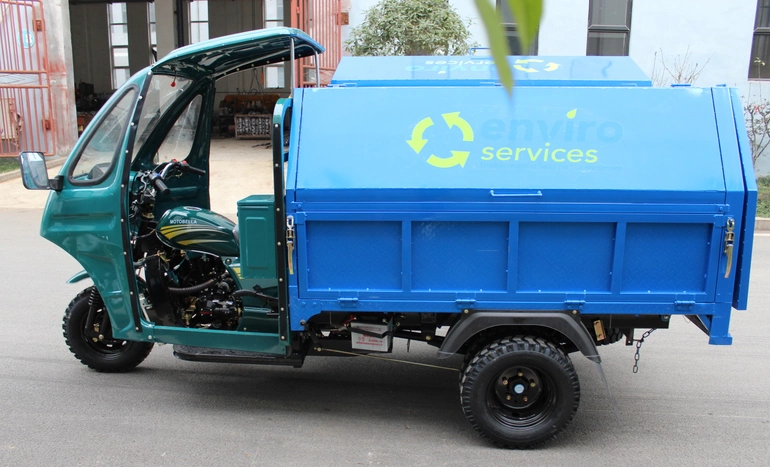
[[729, 245]]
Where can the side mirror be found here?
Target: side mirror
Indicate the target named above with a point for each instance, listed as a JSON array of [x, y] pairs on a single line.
[[34, 173]]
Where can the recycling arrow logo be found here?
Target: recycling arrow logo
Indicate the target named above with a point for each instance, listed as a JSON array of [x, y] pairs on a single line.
[[418, 142], [520, 65]]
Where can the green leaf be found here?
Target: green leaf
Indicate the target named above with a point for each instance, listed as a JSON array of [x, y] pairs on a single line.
[[498, 45], [527, 14]]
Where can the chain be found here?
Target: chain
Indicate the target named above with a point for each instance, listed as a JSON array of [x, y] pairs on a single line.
[[639, 348]]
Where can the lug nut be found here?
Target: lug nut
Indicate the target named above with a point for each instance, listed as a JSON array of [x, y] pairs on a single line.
[[532, 384], [505, 382], [520, 374], [508, 397], [526, 398]]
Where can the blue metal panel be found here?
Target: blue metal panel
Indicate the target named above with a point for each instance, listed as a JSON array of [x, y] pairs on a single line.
[[481, 71], [552, 145], [345, 256], [459, 256], [347, 239], [666, 258], [565, 256], [746, 244]]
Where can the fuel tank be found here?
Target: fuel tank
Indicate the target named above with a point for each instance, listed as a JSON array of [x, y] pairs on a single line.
[[195, 229]]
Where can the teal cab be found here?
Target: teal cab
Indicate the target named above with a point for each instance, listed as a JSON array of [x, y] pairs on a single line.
[[131, 204]]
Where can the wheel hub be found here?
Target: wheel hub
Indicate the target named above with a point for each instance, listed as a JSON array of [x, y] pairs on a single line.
[[518, 388]]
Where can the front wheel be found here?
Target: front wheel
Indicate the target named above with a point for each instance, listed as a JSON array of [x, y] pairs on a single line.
[[519, 392], [88, 333]]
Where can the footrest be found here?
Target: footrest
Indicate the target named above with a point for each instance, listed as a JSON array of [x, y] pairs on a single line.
[[208, 354]]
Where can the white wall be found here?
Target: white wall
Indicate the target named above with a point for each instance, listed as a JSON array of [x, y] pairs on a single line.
[[714, 30], [563, 28]]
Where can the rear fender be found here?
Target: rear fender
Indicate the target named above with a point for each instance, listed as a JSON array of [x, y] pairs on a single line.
[[563, 322]]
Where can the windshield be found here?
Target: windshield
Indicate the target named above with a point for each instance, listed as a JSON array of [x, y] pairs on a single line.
[[162, 92]]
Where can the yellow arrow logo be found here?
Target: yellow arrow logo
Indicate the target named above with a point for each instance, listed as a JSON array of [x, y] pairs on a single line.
[[458, 158], [452, 120], [518, 65], [417, 142]]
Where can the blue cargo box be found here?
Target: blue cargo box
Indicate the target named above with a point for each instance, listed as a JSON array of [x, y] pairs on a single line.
[[603, 196]]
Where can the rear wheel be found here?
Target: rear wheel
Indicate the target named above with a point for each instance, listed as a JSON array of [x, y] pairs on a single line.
[[88, 333], [519, 392]]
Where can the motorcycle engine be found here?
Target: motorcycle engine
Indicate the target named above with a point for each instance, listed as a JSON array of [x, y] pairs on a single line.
[[190, 290]]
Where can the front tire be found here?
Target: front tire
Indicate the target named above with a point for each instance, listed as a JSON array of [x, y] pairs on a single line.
[[93, 344], [519, 392]]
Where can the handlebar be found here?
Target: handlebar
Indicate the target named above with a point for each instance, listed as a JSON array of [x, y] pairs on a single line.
[[181, 166], [156, 177], [157, 181], [185, 167]]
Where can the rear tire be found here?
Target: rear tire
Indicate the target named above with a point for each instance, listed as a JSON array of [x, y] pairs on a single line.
[[107, 354], [519, 392]]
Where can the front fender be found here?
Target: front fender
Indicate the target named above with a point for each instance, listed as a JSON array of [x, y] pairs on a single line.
[[78, 277]]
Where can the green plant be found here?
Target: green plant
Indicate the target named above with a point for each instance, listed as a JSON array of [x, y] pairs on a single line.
[[410, 27], [8, 164], [763, 202]]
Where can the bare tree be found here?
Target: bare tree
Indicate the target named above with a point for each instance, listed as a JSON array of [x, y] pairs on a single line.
[[756, 112], [757, 115], [680, 70]]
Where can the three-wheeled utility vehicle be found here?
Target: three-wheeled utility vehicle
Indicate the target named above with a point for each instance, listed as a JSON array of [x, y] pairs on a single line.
[[416, 200]]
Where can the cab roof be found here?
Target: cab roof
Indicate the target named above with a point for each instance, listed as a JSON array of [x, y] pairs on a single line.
[[223, 55]]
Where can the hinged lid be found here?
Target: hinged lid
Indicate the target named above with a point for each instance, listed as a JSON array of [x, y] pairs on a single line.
[[462, 144], [481, 71]]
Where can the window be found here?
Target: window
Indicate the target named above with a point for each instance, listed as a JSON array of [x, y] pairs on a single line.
[[97, 158], [153, 29], [609, 27], [760, 46], [179, 140], [512, 33], [199, 21], [274, 75], [157, 100], [119, 43]]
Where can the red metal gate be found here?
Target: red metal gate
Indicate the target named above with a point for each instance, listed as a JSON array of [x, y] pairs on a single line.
[[26, 122], [322, 19]]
